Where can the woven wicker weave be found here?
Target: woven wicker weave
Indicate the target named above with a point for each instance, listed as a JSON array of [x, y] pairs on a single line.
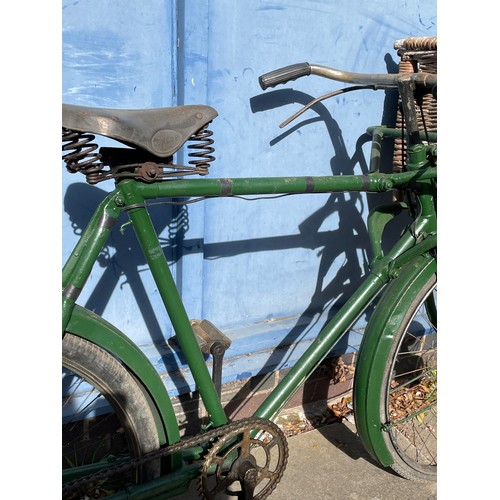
[[416, 54]]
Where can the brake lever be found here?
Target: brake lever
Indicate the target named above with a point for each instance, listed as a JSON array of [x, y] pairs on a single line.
[[333, 94]]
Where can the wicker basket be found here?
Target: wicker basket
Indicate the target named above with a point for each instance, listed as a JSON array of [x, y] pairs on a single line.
[[416, 54]]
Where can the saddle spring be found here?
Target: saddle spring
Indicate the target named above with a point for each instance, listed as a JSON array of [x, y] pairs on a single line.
[[203, 156], [81, 156]]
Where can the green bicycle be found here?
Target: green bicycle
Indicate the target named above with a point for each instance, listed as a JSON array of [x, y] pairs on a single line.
[[121, 435]]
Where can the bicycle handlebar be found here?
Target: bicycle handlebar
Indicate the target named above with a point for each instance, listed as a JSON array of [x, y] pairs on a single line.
[[294, 71]]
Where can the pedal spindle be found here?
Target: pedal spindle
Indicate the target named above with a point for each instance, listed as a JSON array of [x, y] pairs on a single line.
[[81, 156], [203, 146]]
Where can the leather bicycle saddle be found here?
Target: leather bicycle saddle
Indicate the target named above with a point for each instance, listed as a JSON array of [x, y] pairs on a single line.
[[161, 131]]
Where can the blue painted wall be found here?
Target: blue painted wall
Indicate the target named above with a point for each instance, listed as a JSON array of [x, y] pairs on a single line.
[[259, 270]]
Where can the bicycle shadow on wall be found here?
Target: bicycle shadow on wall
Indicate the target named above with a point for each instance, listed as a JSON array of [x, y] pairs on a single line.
[[345, 250], [349, 241], [352, 233]]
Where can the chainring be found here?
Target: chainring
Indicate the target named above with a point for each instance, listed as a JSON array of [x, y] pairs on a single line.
[[247, 462]]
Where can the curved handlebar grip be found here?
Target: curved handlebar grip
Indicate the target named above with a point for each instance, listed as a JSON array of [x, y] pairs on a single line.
[[283, 75]]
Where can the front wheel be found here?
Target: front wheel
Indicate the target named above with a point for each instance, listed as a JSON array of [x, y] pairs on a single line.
[[396, 399]]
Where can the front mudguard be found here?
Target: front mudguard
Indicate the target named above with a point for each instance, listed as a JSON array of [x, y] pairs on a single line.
[[95, 329], [374, 351]]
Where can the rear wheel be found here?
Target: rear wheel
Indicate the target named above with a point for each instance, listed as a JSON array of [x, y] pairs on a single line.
[[106, 417]]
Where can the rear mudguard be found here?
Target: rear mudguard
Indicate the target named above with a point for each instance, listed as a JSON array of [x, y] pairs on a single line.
[[374, 351], [90, 326]]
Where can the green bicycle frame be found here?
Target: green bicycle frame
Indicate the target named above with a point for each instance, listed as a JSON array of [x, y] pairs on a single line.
[[131, 196]]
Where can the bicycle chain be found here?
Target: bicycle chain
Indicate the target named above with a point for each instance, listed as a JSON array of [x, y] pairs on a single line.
[[197, 440]]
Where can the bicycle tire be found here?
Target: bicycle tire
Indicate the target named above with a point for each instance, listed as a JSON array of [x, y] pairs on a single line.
[[401, 409], [99, 435]]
